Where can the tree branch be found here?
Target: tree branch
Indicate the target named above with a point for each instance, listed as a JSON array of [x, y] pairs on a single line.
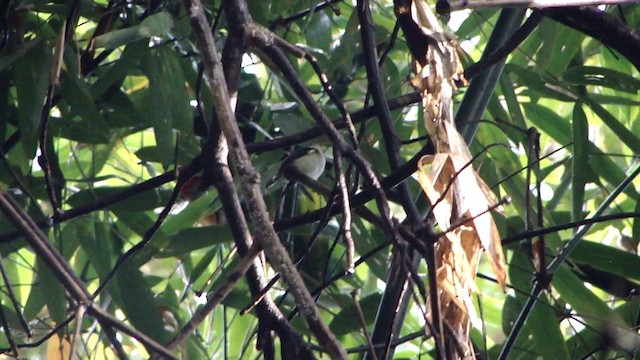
[[606, 28], [249, 179]]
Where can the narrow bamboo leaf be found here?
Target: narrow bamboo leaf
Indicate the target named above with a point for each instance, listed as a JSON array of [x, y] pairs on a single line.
[[635, 231], [138, 303], [167, 93], [342, 56], [367, 239], [594, 311], [144, 201], [520, 276], [549, 122], [194, 349], [547, 35], [158, 24], [12, 319], [195, 280], [32, 79], [515, 112], [545, 339], [121, 113], [613, 100], [482, 87], [588, 341], [115, 73], [160, 114], [472, 24], [348, 319], [599, 76], [151, 154], [558, 128], [116, 38], [318, 32], [91, 127], [565, 50], [53, 292], [185, 241], [7, 58], [580, 164], [624, 134], [192, 213], [174, 86], [240, 296], [540, 85], [36, 299], [140, 222], [94, 243], [608, 258]]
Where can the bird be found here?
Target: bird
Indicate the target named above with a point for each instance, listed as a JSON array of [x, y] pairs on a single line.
[[308, 161]]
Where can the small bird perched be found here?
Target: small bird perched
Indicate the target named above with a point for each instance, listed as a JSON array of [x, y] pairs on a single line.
[[309, 162]]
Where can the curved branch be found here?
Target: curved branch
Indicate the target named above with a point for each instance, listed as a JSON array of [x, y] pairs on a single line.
[[606, 28]]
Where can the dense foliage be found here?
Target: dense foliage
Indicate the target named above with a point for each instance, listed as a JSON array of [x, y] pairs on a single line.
[[107, 142]]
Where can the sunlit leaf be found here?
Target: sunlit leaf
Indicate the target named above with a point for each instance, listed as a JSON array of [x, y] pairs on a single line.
[[154, 25]]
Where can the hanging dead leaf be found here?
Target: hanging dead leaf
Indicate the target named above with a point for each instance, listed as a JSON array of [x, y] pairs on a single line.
[[461, 200]]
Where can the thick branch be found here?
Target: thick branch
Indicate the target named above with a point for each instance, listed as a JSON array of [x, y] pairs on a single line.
[[249, 178], [604, 27]]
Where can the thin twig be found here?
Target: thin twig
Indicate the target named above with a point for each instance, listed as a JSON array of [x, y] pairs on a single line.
[[346, 211], [214, 298], [363, 322]]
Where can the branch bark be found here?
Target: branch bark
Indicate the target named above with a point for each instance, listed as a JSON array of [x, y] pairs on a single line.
[[604, 27], [249, 178]]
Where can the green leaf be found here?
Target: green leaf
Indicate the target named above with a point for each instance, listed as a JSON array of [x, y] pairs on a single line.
[[140, 223], [565, 50], [143, 201], [626, 136], [515, 112], [195, 280], [584, 302], [97, 244], [547, 35], [318, 31], [139, 304], [117, 38], [580, 164], [558, 128], [32, 80], [7, 58], [53, 292], [367, 240], [613, 100], [167, 93], [158, 24], [608, 258], [539, 84], [348, 319], [116, 73], [541, 336], [588, 341], [91, 127], [191, 239], [599, 76], [188, 216]]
